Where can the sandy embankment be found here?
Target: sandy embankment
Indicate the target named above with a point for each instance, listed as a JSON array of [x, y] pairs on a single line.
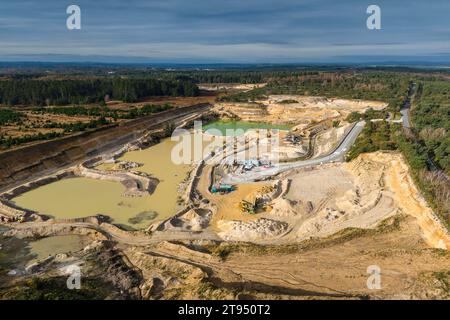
[[137, 184], [329, 139], [411, 202]]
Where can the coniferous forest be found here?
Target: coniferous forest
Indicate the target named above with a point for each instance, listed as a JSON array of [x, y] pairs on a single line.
[[62, 92]]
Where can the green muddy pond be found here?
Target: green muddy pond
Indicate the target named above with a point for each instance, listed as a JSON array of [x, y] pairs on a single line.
[[222, 126], [45, 247], [83, 197], [18, 253]]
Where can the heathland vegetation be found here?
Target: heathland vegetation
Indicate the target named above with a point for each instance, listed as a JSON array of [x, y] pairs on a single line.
[[104, 111], [98, 117]]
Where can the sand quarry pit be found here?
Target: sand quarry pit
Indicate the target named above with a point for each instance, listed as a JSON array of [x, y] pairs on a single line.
[[301, 110], [325, 200], [358, 194]]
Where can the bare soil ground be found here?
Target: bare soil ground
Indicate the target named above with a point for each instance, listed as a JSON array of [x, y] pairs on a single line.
[[175, 101], [337, 267], [332, 268], [234, 87], [226, 207], [326, 200], [328, 140]]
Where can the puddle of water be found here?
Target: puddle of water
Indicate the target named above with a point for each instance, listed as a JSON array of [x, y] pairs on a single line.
[[42, 248], [223, 126], [17, 253]]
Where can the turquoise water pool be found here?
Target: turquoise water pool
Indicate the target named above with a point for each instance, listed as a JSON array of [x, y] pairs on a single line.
[[239, 127]]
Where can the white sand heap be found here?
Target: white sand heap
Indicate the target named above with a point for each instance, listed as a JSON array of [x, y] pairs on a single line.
[[252, 230]]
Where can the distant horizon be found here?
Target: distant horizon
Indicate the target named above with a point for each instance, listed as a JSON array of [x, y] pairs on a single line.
[[417, 64], [407, 60]]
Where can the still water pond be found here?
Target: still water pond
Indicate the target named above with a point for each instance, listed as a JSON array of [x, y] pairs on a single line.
[[83, 197], [234, 127]]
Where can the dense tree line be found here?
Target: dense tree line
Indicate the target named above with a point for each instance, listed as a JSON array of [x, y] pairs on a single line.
[[379, 86], [236, 76], [368, 115], [62, 92], [431, 119], [375, 136], [222, 76]]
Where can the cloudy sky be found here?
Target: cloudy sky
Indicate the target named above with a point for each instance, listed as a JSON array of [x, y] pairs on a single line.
[[242, 31]]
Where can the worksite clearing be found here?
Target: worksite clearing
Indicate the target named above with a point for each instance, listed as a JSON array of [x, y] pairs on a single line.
[[292, 220]]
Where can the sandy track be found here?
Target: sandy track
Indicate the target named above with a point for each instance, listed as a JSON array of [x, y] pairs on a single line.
[[336, 270]]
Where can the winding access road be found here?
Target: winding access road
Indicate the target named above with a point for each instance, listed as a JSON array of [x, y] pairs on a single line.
[[261, 173]]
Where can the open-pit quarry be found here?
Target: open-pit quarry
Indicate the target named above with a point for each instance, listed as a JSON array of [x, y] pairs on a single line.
[[250, 219]]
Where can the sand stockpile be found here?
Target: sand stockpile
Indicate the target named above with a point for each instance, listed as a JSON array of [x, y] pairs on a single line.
[[283, 208], [193, 220], [260, 229], [196, 219]]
